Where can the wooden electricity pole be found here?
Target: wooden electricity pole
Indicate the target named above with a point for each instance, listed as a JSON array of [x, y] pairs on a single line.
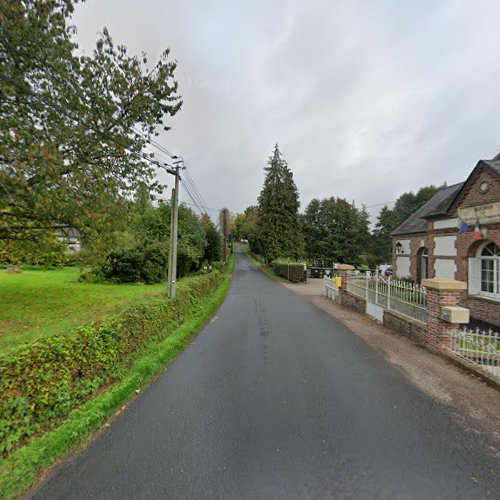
[[174, 220], [224, 234]]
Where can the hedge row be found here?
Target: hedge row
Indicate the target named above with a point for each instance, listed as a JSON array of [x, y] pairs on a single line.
[[292, 271], [42, 382]]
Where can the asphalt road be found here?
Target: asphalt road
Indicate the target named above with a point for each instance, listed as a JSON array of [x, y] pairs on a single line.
[[276, 399]]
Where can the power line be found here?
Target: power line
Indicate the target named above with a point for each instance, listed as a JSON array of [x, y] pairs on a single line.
[[188, 181], [381, 204], [197, 191], [189, 184], [193, 198]]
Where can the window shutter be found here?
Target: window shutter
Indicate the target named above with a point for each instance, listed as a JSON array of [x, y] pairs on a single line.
[[474, 275]]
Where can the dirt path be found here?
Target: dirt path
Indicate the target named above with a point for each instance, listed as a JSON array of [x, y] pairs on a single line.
[[471, 401]]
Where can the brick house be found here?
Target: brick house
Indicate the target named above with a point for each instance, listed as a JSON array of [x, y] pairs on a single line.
[[456, 235]]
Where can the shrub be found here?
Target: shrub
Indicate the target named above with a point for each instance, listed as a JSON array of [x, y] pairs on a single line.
[[92, 275], [123, 266], [292, 271], [145, 264], [40, 383], [219, 266], [154, 264]]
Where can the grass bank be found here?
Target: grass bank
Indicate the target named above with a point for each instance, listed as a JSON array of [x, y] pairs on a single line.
[[21, 468], [40, 303], [262, 266]]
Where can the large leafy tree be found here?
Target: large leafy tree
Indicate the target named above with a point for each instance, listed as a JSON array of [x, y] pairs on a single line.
[[213, 247], [279, 225], [73, 127], [246, 226], [390, 218], [335, 231], [153, 228]]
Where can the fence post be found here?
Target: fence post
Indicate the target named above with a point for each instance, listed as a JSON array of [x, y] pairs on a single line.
[[441, 292], [376, 288], [389, 282], [344, 271], [367, 283]]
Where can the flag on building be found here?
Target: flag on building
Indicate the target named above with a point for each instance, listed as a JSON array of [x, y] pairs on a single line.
[[463, 227], [477, 232]]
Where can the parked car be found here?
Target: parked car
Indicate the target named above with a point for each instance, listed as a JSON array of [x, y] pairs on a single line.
[[389, 271]]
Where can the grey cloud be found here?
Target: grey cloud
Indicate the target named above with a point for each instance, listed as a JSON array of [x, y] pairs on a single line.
[[367, 99]]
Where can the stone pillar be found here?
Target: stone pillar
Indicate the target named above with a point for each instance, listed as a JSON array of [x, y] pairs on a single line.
[[345, 271], [443, 314]]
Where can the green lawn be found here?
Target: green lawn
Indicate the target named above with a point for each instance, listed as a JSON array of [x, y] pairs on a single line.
[[36, 304]]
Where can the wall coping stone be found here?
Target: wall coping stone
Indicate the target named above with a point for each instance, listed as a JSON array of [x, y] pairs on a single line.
[[345, 267], [444, 284]]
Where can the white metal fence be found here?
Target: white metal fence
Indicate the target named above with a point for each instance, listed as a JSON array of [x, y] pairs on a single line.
[[330, 289], [404, 297], [478, 346]]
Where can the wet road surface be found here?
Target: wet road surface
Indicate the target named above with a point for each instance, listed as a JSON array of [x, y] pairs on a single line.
[[276, 399]]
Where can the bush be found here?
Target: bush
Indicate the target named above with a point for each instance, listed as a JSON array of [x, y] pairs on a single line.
[[92, 275], [219, 266], [123, 266], [40, 383], [154, 264], [141, 264], [292, 271]]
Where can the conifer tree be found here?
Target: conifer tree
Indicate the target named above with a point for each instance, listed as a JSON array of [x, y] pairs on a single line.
[[279, 225]]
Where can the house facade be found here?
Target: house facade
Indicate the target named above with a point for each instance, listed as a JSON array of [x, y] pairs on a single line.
[[456, 235]]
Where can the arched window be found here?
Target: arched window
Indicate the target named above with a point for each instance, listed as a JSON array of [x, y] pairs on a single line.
[[490, 269], [422, 264]]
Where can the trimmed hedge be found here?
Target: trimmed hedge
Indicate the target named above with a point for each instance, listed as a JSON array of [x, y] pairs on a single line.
[[292, 271], [42, 382]]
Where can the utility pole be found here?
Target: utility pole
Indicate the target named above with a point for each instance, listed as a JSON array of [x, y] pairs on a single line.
[[224, 226], [174, 219], [224, 235], [169, 269]]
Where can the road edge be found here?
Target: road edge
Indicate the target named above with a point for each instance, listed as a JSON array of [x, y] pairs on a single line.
[[26, 468]]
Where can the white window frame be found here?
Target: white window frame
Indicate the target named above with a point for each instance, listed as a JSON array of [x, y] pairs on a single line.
[[496, 272]]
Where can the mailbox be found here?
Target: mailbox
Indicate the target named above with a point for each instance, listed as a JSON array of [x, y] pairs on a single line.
[[338, 281], [455, 314]]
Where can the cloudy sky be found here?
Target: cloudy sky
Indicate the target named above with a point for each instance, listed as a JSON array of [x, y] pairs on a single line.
[[367, 99]]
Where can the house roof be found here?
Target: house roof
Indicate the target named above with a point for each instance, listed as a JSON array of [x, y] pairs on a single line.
[[494, 164], [440, 203]]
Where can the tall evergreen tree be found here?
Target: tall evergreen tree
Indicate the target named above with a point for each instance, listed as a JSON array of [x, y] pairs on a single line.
[[279, 226]]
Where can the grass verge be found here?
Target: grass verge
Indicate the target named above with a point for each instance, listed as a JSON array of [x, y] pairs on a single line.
[[35, 304], [263, 267], [24, 466]]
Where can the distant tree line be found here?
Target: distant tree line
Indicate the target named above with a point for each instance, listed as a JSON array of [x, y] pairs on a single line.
[[330, 230]]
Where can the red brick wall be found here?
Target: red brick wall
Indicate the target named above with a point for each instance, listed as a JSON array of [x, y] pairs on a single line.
[[353, 302], [471, 196], [415, 244], [411, 329], [483, 309]]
